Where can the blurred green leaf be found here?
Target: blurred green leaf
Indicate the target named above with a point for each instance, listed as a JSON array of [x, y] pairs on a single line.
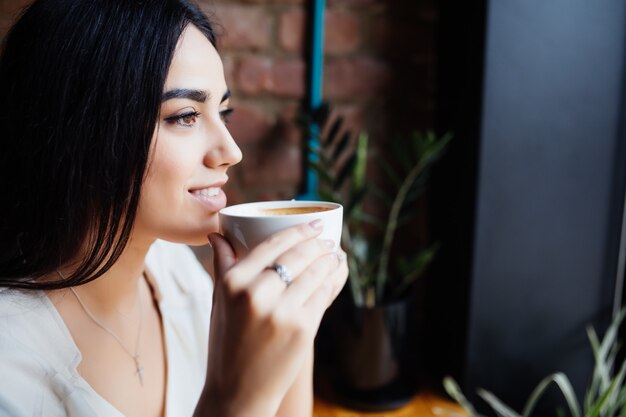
[[355, 200], [390, 172], [369, 219], [333, 132], [323, 174], [605, 395], [454, 391], [360, 169], [341, 146], [381, 195], [326, 196], [498, 406], [344, 172], [342, 168]]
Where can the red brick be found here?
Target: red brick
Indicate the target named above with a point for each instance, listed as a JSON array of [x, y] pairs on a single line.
[[248, 124], [291, 30], [381, 33], [254, 75], [271, 166], [349, 78], [369, 5], [243, 27], [288, 78], [287, 127], [342, 32]]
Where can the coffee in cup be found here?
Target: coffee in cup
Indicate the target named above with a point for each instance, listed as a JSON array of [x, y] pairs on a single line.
[[247, 225]]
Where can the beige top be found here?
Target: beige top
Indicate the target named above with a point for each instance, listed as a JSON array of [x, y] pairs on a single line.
[[38, 357]]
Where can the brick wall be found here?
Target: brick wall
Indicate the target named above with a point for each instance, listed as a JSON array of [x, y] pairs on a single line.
[[378, 74]]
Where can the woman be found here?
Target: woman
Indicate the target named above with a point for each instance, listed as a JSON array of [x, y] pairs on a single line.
[[114, 145]]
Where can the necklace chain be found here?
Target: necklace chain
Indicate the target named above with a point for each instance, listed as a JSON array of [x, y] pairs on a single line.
[[135, 356]]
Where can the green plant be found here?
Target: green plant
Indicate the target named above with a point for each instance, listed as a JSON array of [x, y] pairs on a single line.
[[605, 395], [341, 163]]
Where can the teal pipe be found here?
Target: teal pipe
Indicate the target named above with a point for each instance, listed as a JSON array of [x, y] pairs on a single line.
[[314, 93]]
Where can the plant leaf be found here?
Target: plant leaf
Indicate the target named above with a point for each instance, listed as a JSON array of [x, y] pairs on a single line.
[[566, 389], [320, 115], [454, 391], [368, 218], [400, 154], [599, 405], [329, 139], [382, 196], [496, 404], [326, 196], [355, 200], [411, 270], [321, 172], [341, 146], [343, 173], [390, 172], [360, 170]]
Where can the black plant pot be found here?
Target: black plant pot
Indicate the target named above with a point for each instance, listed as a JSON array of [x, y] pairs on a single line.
[[368, 357]]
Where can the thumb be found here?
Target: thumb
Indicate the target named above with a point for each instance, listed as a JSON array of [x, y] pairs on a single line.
[[223, 255]]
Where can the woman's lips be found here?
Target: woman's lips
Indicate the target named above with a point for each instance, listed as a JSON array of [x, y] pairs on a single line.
[[211, 197]]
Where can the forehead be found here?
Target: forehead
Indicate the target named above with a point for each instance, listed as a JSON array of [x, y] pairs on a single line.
[[196, 64]]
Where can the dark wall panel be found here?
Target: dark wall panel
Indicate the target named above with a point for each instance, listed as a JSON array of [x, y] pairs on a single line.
[[550, 188]]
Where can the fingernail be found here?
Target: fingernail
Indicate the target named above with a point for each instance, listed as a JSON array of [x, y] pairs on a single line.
[[316, 224], [328, 242], [210, 241]]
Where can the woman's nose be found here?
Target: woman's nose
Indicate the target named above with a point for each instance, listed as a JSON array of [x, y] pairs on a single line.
[[223, 151]]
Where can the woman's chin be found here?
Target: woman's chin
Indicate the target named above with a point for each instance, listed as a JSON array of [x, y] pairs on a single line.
[[199, 241], [196, 236]]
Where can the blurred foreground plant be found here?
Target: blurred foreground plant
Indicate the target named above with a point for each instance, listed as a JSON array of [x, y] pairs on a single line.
[[605, 395]]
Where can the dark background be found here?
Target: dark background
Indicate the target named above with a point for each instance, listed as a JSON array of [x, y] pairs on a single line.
[[530, 199]]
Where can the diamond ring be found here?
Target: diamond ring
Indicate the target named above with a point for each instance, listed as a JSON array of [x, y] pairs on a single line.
[[283, 273]]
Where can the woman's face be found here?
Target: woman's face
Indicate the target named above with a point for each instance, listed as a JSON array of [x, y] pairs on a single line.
[[191, 148]]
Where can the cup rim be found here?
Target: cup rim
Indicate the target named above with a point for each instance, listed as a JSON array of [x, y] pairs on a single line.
[[239, 210]]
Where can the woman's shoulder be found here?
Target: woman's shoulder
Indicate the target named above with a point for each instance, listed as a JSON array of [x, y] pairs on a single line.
[[35, 354], [31, 327]]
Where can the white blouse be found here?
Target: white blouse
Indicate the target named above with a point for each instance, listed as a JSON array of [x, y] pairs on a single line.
[[38, 357]]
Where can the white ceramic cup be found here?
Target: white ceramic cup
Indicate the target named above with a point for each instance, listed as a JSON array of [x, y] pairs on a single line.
[[247, 225]]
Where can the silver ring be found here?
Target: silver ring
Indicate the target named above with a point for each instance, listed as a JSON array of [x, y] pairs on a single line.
[[283, 273]]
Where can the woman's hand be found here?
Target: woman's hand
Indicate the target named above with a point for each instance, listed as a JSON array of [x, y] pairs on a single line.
[[260, 327]]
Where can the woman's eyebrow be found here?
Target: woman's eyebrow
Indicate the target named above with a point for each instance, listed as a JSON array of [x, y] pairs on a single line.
[[195, 95]]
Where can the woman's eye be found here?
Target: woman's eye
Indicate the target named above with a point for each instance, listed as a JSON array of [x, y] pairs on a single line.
[[225, 114], [185, 120]]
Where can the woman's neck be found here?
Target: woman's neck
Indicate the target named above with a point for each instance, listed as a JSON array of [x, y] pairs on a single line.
[[117, 289]]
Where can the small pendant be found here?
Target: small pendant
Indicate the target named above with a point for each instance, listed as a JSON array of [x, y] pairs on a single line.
[[139, 371]]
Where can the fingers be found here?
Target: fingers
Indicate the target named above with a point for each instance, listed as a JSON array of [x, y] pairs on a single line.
[[298, 260], [268, 252], [223, 255], [310, 280], [323, 295], [338, 278]]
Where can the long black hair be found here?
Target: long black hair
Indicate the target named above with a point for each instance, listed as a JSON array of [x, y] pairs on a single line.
[[80, 90]]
